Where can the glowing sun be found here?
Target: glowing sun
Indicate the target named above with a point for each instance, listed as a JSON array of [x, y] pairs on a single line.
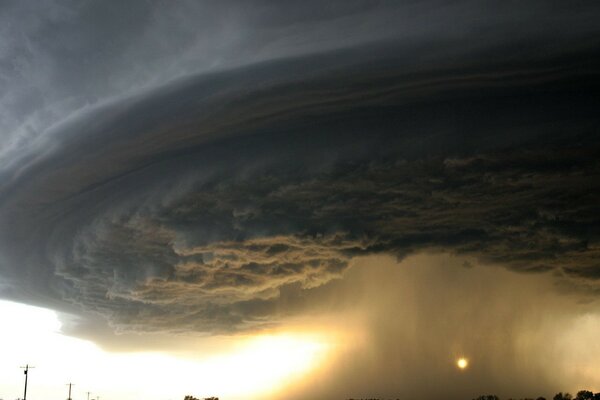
[[462, 363]]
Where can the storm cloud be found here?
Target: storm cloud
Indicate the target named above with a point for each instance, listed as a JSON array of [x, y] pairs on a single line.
[[203, 198], [409, 321]]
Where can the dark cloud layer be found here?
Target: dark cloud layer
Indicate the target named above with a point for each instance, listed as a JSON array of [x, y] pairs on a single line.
[[204, 204]]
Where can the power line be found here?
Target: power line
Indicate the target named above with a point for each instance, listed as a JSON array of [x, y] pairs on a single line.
[[26, 372], [69, 384]]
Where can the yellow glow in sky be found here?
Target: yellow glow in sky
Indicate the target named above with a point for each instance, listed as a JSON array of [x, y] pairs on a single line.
[[254, 367], [462, 363]]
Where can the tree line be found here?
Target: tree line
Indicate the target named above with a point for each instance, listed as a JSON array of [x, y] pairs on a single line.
[[581, 395]]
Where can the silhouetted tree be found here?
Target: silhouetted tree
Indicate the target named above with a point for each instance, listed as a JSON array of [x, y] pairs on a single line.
[[541, 398], [584, 395], [488, 397]]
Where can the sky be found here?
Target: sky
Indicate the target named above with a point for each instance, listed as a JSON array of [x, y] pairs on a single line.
[[253, 199]]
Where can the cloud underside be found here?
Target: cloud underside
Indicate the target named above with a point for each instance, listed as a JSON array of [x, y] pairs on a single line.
[[281, 232], [205, 205]]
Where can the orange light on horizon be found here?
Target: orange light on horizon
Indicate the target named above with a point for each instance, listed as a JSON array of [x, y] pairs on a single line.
[[260, 364], [462, 363]]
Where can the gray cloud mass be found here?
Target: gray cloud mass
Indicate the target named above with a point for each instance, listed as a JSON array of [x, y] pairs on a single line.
[[199, 202]]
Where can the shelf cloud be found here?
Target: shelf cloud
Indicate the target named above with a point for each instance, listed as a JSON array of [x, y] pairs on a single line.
[[197, 199]]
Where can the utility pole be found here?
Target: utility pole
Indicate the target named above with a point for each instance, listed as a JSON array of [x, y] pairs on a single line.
[[69, 385], [88, 393], [26, 372]]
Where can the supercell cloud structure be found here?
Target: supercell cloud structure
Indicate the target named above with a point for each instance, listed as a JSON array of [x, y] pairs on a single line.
[[198, 199]]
